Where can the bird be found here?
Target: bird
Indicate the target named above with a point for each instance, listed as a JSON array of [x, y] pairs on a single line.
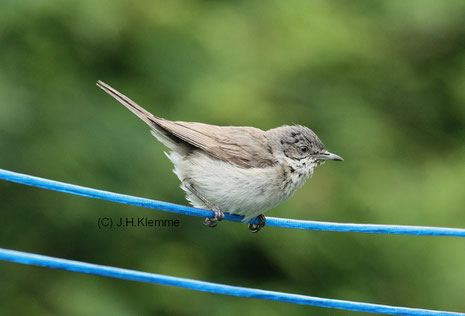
[[235, 169]]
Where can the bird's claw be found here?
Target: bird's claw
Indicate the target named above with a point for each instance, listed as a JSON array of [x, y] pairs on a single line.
[[212, 222], [254, 228]]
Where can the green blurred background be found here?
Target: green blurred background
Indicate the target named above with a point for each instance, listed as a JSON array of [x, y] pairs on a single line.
[[381, 82]]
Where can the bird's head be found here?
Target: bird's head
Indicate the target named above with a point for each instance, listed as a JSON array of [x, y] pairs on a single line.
[[299, 145]]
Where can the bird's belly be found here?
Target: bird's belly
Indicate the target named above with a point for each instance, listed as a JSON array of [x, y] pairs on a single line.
[[249, 192]]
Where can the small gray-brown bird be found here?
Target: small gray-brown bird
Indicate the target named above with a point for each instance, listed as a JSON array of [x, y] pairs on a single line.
[[238, 170]]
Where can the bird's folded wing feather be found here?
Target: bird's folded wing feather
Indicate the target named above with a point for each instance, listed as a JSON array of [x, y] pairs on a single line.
[[243, 146]]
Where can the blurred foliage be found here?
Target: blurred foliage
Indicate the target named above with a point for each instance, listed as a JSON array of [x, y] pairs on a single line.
[[381, 82]]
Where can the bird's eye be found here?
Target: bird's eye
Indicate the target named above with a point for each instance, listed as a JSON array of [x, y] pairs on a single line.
[[303, 149]]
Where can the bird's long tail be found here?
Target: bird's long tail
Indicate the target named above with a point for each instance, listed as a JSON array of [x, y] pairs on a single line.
[[158, 125], [142, 113]]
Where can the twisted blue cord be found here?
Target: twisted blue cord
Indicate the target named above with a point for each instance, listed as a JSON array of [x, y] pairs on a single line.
[[89, 268], [186, 210]]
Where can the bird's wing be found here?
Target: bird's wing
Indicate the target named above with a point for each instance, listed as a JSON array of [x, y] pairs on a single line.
[[243, 146]]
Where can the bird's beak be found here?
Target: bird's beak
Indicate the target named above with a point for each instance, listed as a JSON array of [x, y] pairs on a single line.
[[329, 156]]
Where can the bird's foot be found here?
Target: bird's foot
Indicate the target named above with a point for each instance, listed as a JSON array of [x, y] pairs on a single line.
[[212, 222], [254, 228]]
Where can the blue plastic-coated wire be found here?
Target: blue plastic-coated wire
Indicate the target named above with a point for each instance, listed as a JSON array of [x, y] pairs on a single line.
[[187, 210], [89, 268]]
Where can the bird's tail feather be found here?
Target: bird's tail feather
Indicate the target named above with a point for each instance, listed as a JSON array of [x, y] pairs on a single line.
[[142, 113], [153, 121]]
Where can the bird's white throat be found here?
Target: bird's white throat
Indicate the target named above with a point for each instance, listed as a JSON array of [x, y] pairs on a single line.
[[300, 171]]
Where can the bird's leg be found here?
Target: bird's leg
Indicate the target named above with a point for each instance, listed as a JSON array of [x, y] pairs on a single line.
[[219, 216], [261, 223]]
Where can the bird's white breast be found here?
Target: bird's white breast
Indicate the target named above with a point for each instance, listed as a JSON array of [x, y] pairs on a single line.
[[244, 191]]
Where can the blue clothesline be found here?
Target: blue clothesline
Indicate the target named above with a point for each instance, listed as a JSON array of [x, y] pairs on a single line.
[[187, 210], [76, 266], [89, 268]]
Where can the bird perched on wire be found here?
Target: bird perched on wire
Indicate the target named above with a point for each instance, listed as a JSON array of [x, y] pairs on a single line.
[[238, 170]]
